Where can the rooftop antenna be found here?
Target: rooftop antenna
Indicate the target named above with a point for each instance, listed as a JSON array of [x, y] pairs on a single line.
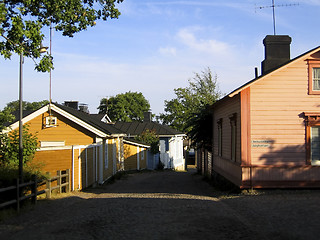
[[273, 6]]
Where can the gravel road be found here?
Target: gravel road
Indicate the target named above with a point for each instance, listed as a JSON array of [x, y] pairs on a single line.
[[169, 205]]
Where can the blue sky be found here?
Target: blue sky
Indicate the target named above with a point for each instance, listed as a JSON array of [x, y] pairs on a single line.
[[157, 45]]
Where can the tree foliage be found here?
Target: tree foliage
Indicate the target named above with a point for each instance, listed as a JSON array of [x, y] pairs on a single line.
[[190, 101], [201, 129], [150, 137], [29, 106], [126, 107], [9, 157], [22, 23], [5, 117], [9, 147]]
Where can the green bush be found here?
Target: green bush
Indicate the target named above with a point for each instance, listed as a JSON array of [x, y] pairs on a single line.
[[150, 137], [9, 157]]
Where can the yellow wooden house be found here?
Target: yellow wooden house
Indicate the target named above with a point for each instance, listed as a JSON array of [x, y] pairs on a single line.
[[71, 139]]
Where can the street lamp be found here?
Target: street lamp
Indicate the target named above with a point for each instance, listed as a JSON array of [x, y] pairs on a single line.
[[42, 49]]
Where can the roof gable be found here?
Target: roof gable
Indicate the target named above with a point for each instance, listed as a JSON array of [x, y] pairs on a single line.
[[309, 54], [84, 120]]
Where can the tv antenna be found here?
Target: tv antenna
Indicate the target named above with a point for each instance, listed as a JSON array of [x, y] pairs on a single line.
[[273, 6]]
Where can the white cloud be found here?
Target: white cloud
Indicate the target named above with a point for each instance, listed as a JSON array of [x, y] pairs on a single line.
[[189, 38], [168, 51]]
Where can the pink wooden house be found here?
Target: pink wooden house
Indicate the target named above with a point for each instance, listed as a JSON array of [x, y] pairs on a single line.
[[266, 133]]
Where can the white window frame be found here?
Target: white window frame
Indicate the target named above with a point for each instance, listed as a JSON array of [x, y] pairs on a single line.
[[51, 121], [315, 79], [44, 144]]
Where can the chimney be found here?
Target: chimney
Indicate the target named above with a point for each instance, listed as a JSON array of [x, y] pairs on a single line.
[[277, 51], [84, 108], [147, 117], [72, 104]]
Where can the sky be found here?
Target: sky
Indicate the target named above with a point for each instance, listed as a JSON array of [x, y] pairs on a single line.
[[156, 46]]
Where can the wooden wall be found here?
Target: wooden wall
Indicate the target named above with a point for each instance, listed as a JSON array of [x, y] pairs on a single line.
[[130, 157], [52, 161], [134, 154], [65, 130], [277, 123], [223, 164], [278, 131]]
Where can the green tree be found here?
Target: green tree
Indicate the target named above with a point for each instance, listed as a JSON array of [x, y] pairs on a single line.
[[126, 107], [149, 137], [9, 147], [201, 128], [22, 23], [5, 117], [29, 106], [9, 157], [180, 112]]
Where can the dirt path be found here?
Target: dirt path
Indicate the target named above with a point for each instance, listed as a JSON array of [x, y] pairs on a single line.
[[169, 205]]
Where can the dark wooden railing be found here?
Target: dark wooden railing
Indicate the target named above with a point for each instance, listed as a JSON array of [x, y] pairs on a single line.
[[63, 182]]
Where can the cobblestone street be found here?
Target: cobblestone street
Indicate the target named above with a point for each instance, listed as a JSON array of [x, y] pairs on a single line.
[[169, 205]]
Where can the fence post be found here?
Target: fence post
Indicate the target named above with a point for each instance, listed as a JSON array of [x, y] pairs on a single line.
[[59, 180], [48, 186], [68, 181], [34, 189], [18, 196]]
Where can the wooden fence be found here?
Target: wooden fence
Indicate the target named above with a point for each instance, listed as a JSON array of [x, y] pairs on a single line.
[[62, 179]]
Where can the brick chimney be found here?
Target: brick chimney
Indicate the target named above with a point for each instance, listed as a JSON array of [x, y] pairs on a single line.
[[147, 117], [72, 104], [277, 51]]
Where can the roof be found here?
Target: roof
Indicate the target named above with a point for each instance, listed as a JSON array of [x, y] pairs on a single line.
[[92, 120], [16, 116], [253, 81], [136, 142], [97, 116], [239, 89], [136, 128], [83, 119]]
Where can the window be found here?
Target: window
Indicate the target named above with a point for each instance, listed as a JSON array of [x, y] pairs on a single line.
[[316, 79], [219, 123], [233, 124], [315, 145], [52, 144], [314, 76], [51, 121], [313, 138]]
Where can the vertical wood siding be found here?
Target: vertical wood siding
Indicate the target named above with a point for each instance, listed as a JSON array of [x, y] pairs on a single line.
[[130, 157]]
